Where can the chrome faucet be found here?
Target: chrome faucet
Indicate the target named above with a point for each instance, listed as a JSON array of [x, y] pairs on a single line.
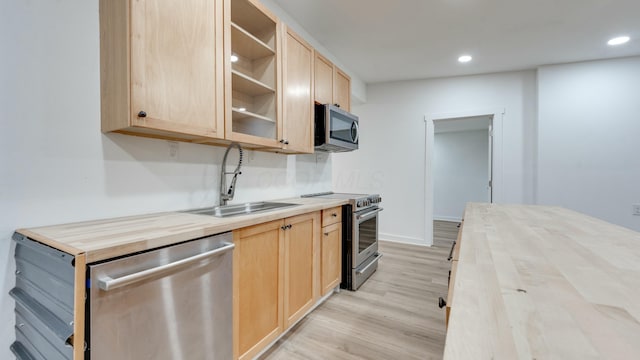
[[227, 194]]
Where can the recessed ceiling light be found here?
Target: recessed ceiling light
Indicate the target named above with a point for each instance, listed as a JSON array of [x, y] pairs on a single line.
[[234, 58], [465, 58], [618, 40]]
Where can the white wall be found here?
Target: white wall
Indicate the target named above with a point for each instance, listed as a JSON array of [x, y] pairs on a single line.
[[589, 129], [391, 161], [460, 171], [57, 167]]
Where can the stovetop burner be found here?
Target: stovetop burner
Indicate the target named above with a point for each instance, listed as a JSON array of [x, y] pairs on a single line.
[[358, 201]]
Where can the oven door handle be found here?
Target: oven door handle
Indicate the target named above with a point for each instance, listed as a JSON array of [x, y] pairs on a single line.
[[369, 214], [375, 260]]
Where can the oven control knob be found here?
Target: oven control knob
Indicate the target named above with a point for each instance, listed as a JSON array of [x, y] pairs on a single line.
[[359, 203]]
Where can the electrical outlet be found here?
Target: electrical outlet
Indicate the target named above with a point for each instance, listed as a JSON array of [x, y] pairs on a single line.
[[636, 209], [173, 149]]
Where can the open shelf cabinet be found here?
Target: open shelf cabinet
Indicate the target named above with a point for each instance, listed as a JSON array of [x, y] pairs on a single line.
[[253, 110]]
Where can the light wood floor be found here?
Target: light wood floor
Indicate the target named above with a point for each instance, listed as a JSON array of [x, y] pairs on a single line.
[[394, 315]]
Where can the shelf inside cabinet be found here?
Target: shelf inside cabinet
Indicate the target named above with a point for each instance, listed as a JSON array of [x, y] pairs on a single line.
[[255, 22], [248, 85], [247, 45], [238, 114]]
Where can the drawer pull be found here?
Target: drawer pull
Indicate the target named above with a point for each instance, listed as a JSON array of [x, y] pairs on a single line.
[[451, 252]]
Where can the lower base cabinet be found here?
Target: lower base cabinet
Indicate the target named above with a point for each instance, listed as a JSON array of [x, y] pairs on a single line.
[[257, 287], [276, 279], [331, 257], [301, 288]]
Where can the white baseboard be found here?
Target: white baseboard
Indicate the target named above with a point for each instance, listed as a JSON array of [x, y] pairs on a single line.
[[402, 239], [447, 218]]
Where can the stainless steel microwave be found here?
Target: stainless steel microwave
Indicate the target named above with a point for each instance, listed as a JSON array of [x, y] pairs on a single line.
[[336, 130]]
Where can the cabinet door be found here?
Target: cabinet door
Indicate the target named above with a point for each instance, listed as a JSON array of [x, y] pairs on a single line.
[[297, 135], [300, 265], [177, 66], [331, 257], [323, 80], [257, 287], [342, 92]]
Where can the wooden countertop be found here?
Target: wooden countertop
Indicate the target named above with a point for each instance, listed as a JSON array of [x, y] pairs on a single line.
[[104, 239], [539, 282]]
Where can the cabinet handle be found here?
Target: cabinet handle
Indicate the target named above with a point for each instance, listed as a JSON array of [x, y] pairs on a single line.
[[451, 251], [334, 215], [142, 114], [284, 141], [336, 105], [289, 226], [283, 227], [441, 302], [326, 234]]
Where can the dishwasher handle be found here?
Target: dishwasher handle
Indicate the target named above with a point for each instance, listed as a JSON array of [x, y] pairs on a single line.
[[107, 283]]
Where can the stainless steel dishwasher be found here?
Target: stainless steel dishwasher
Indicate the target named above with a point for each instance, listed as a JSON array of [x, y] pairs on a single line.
[[174, 303]]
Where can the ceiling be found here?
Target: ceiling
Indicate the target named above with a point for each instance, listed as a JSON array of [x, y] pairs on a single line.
[[382, 40]]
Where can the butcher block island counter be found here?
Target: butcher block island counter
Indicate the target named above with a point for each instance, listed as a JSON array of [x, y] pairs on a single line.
[[284, 265], [537, 282]]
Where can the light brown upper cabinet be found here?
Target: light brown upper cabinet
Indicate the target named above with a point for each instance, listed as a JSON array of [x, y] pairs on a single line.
[[252, 41], [332, 85], [297, 75], [162, 68], [323, 80], [342, 90]]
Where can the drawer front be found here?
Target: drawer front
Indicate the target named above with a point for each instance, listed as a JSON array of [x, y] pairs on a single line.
[[331, 216]]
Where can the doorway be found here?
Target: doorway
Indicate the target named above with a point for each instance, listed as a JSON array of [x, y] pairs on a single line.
[[461, 165], [463, 157]]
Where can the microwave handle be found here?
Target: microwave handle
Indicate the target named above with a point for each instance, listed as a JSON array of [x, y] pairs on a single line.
[[357, 131]]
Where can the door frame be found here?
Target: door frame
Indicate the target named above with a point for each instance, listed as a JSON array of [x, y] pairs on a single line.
[[496, 160]]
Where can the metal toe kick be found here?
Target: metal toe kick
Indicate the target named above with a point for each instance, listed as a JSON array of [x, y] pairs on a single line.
[[365, 270]]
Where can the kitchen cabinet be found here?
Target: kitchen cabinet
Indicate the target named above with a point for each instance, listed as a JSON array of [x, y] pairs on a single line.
[[300, 265], [331, 250], [298, 117], [275, 279], [342, 92], [258, 266], [332, 85], [323, 80], [60, 286], [211, 72], [252, 40], [162, 68]]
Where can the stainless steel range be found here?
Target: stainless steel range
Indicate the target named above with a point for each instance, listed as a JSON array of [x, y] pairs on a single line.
[[359, 236]]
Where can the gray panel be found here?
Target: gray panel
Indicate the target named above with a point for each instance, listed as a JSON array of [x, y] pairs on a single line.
[[21, 352], [44, 295], [38, 338]]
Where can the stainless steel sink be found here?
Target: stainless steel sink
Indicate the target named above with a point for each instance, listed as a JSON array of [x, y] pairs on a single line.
[[241, 209]]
